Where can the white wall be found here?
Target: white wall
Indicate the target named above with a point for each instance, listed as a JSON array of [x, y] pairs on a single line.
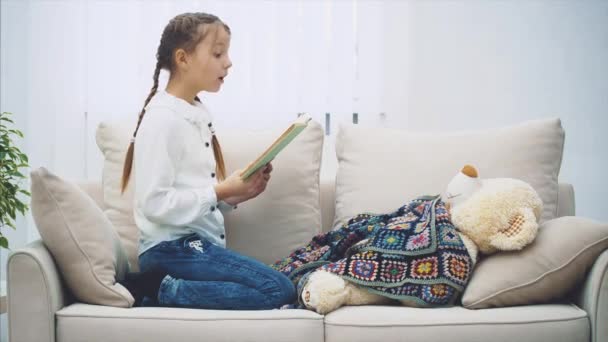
[[429, 65], [476, 64]]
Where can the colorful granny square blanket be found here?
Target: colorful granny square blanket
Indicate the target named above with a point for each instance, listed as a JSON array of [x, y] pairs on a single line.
[[413, 254]]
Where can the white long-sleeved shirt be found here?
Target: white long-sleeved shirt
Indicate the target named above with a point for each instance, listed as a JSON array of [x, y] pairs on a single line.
[[174, 174]]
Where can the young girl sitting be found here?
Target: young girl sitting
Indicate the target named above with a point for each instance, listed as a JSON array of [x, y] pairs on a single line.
[[181, 190]]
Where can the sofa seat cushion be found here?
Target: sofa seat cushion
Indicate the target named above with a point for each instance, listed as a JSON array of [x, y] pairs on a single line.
[[555, 322], [83, 322]]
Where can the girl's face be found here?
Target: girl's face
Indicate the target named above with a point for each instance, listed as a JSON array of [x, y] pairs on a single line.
[[208, 64]]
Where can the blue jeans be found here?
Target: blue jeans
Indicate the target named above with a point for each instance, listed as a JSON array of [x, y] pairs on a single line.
[[203, 275]]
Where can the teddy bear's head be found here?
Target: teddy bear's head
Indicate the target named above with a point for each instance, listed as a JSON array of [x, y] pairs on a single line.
[[497, 214]]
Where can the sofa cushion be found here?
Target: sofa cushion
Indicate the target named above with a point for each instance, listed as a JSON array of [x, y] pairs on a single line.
[[81, 239], [556, 323], [113, 140], [564, 250], [380, 169], [286, 215], [81, 322]]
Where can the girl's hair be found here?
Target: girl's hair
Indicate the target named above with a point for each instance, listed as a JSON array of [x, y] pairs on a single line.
[[184, 31]]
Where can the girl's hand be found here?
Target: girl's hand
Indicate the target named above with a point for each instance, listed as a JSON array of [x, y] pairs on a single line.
[[234, 190]]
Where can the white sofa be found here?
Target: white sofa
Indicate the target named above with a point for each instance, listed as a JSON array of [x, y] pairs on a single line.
[[41, 307]]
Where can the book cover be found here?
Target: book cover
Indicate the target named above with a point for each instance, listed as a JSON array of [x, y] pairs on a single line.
[[277, 146]]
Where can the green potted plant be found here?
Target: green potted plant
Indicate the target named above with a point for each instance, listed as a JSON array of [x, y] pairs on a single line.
[[11, 160]]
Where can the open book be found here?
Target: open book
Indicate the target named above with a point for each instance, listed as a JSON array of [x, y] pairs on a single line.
[[277, 146]]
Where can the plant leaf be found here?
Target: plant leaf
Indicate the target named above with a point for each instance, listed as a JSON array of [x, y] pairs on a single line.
[[10, 224], [3, 242], [12, 160], [24, 157]]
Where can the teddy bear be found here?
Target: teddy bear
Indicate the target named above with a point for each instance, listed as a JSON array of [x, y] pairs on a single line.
[[490, 215]]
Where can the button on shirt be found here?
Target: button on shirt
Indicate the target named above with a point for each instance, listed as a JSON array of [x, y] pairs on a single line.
[[174, 174]]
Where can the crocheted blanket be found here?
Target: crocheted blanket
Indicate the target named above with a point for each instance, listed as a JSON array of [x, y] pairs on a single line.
[[414, 255]]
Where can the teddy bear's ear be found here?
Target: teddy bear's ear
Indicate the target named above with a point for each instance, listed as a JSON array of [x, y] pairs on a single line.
[[470, 171]]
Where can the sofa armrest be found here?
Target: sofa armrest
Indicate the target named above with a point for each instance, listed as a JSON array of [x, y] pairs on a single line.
[[592, 297], [35, 293], [565, 200]]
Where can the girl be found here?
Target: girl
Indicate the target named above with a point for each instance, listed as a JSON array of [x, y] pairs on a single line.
[[181, 189]]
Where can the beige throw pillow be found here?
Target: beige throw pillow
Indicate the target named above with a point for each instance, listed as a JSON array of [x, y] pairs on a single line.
[[381, 169], [563, 252], [82, 241]]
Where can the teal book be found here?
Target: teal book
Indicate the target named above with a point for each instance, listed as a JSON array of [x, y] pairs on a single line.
[[277, 146]]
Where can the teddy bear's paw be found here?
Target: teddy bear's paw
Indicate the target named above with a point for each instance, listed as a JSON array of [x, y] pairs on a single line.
[[520, 232], [360, 296], [324, 292]]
